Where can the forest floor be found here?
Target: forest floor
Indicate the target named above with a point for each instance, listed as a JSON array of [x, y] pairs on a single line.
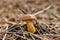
[[47, 24]]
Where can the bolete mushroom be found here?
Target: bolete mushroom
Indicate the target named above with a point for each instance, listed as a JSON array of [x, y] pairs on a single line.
[[28, 18]]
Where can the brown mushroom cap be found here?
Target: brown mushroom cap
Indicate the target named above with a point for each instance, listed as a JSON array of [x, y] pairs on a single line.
[[26, 17]]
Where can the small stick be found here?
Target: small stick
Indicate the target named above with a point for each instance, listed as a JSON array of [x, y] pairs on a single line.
[[8, 21], [20, 36], [42, 10], [52, 35], [22, 31], [32, 37], [35, 35], [4, 37], [20, 10], [5, 34]]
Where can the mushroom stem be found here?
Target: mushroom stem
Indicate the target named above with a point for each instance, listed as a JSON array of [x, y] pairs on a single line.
[[30, 27]]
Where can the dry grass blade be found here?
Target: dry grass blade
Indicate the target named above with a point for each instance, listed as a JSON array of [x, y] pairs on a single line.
[[42, 10]]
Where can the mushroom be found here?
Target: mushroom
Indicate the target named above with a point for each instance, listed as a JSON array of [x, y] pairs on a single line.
[[28, 18]]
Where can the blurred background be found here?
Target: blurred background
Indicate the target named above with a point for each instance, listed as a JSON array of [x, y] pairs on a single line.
[[11, 9]]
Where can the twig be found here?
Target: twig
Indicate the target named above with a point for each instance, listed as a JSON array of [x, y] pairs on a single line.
[[42, 10], [12, 27], [5, 34], [52, 35], [22, 31], [32, 37], [38, 31], [20, 11], [8, 21], [35, 35], [4, 37], [20, 36]]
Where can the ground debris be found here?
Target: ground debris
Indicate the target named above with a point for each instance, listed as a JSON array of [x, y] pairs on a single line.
[[47, 26]]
